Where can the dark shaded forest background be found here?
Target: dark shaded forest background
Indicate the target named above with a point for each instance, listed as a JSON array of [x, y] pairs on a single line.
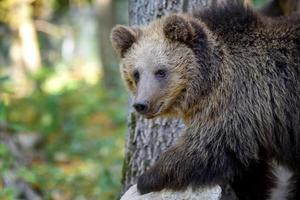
[[62, 104]]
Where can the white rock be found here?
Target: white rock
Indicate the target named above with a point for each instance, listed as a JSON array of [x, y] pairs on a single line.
[[213, 193]]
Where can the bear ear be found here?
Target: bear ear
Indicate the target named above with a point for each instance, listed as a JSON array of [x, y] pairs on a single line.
[[122, 38], [178, 28]]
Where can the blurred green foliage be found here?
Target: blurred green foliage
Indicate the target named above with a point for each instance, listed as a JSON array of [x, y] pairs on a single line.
[[78, 123], [82, 139], [259, 3]]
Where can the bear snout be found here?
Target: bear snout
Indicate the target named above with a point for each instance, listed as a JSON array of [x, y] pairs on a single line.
[[141, 107]]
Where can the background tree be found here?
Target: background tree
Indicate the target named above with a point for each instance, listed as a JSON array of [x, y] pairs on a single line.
[[106, 19], [61, 130]]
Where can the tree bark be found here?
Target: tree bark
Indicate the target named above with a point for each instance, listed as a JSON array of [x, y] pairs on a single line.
[[106, 20], [147, 139]]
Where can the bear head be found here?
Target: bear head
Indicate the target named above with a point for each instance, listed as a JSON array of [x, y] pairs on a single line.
[[163, 64]]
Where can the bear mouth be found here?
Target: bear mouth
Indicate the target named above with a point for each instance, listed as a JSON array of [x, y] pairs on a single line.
[[156, 112]]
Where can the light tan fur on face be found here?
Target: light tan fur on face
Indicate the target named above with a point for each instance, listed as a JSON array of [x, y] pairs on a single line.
[[150, 53]]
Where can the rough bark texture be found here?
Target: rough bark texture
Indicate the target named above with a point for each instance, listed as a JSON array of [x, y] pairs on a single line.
[[147, 139]]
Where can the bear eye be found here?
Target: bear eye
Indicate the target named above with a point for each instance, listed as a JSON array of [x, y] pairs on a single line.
[[136, 75], [161, 73]]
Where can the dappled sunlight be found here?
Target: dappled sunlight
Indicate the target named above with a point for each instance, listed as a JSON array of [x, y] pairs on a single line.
[[66, 78], [61, 128], [82, 132]]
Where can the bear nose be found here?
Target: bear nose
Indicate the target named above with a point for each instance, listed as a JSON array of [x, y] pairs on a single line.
[[141, 107]]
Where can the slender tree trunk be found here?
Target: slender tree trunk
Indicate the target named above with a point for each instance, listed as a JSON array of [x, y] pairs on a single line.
[[24, 52], [106, 20], [28, 38], [147, 139]]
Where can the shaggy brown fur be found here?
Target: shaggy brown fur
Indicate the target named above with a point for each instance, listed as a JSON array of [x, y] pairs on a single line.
[[234, 77]]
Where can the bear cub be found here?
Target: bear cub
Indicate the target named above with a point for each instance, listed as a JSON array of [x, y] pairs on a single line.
[[233, 76]]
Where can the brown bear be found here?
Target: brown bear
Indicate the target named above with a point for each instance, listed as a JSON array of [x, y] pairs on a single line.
[[233, 76]]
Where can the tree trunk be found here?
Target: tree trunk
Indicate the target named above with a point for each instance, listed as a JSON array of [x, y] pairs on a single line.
[[24, 52], [147, 139], [106, 20], [28, 38]]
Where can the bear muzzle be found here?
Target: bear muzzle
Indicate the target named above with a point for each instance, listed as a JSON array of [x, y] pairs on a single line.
[[141, 107]]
